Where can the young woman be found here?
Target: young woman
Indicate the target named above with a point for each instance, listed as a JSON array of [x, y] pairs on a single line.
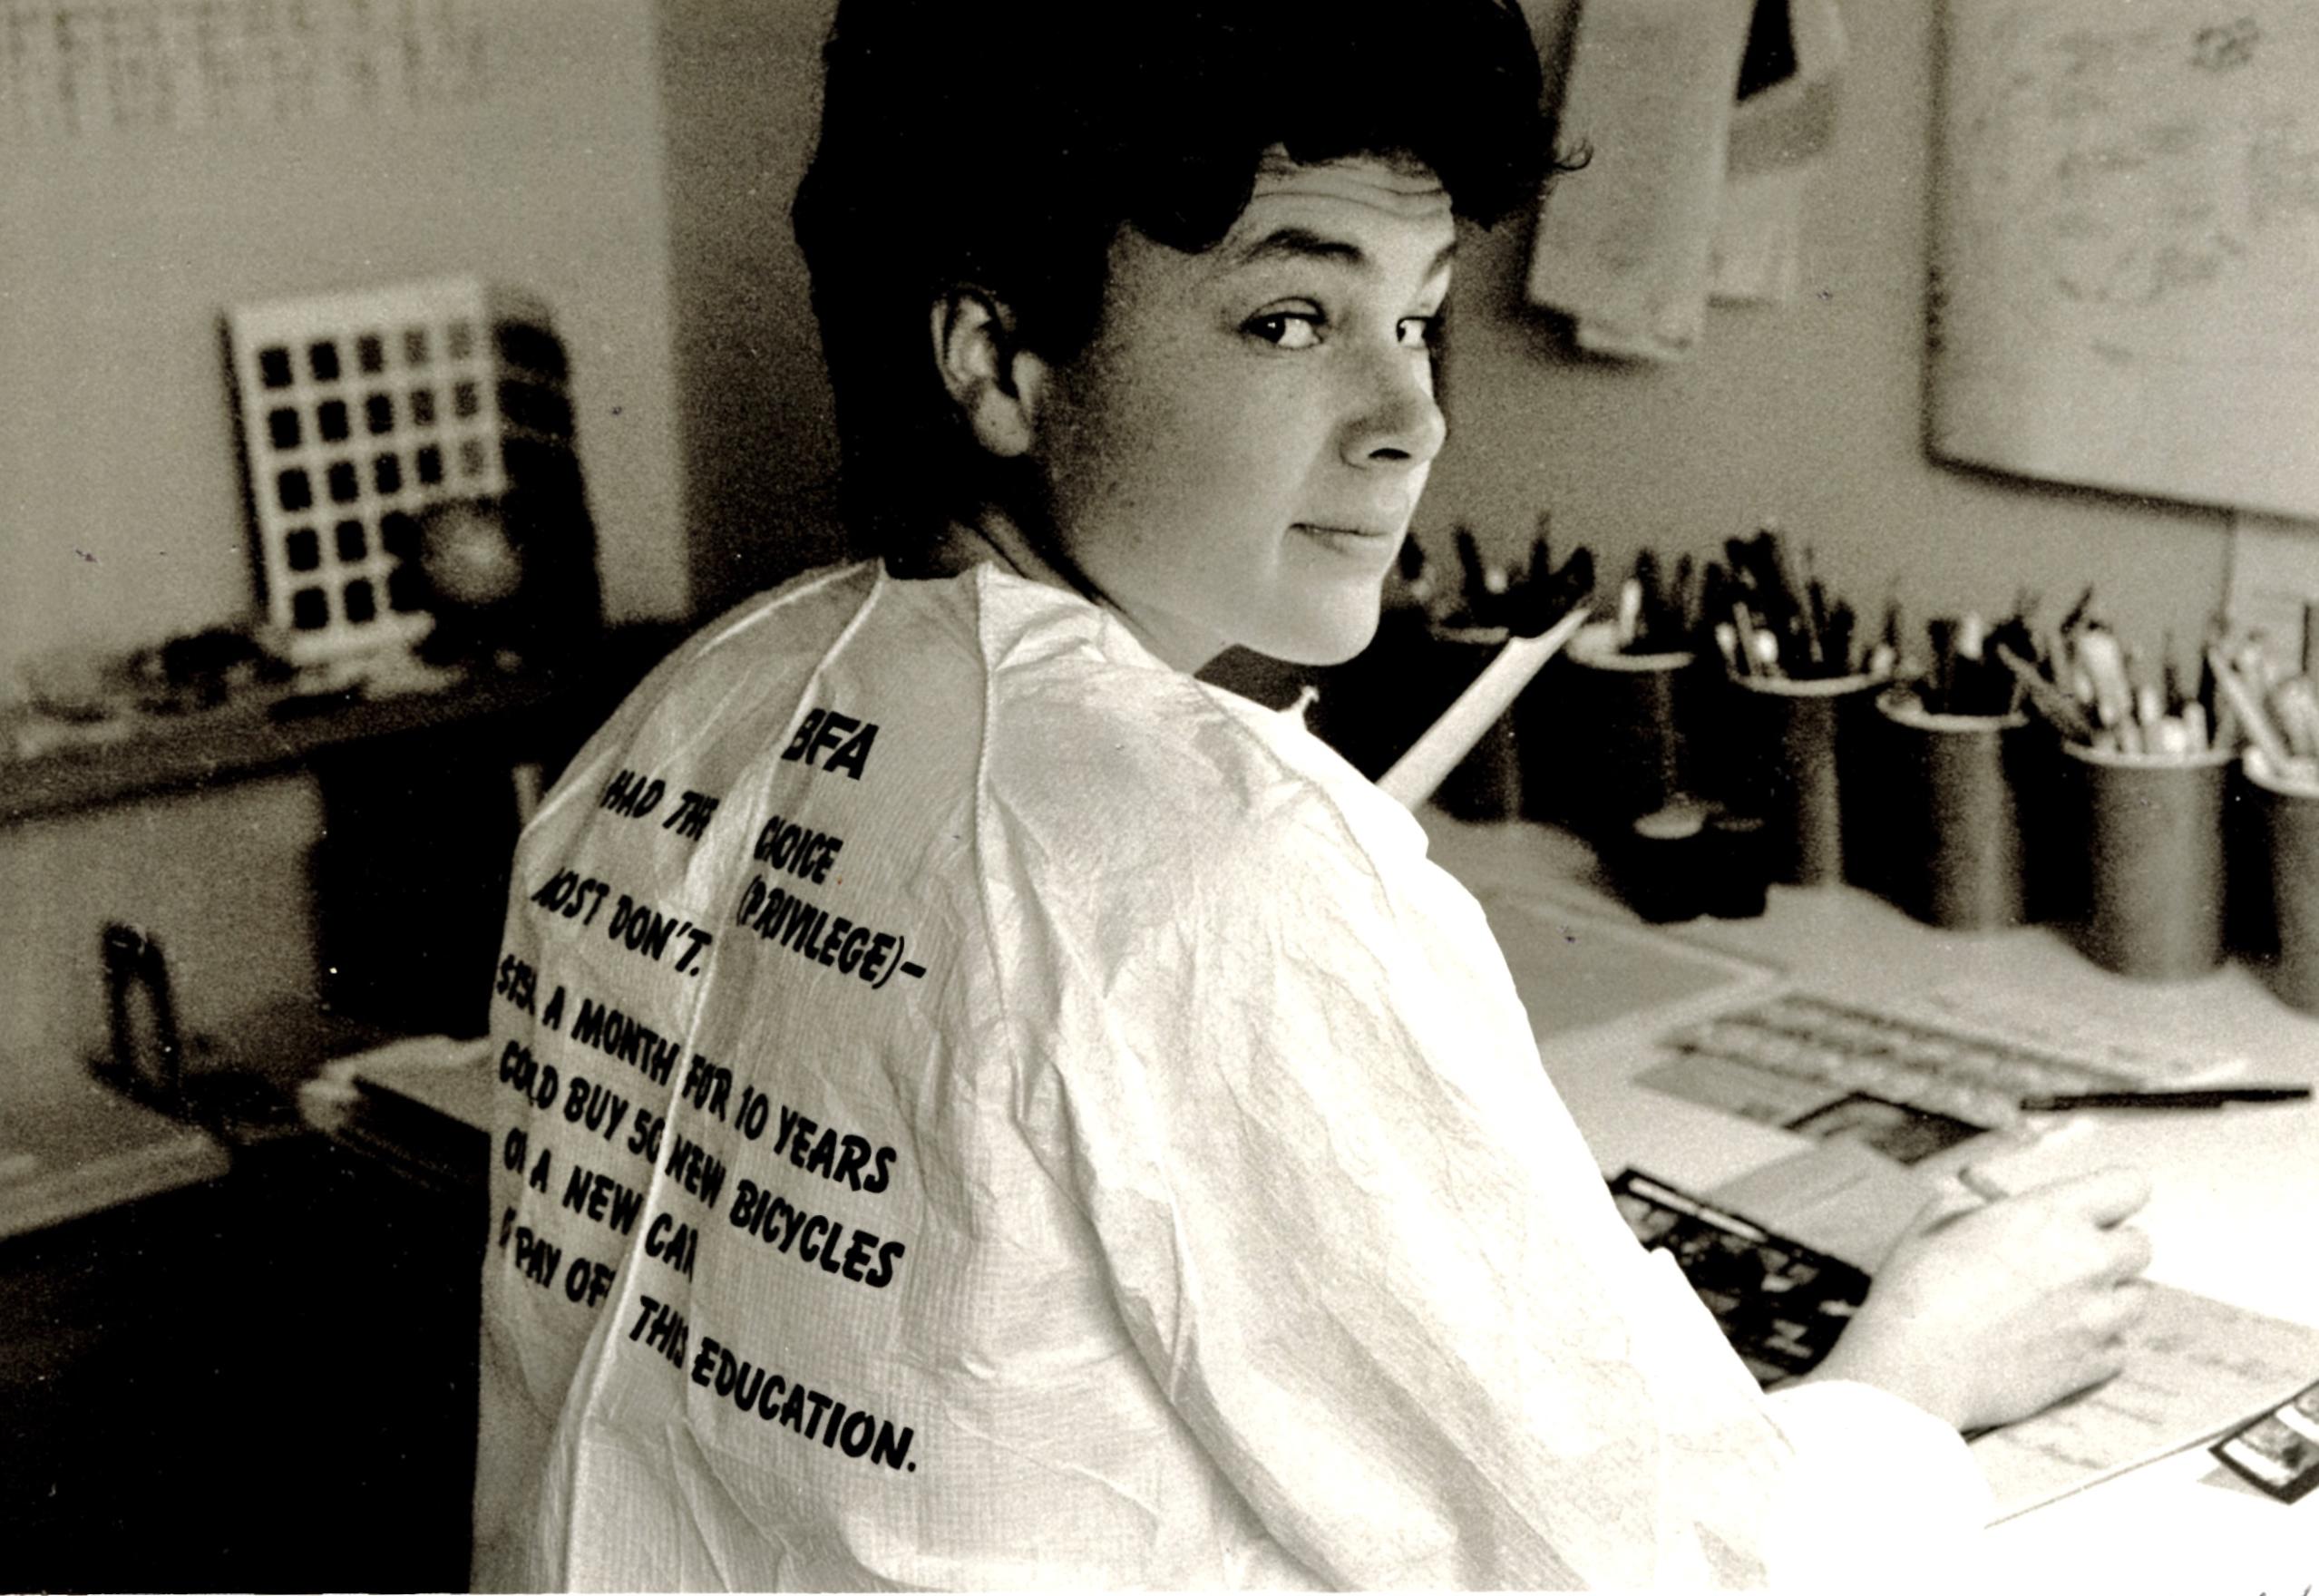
[[984, 1107]]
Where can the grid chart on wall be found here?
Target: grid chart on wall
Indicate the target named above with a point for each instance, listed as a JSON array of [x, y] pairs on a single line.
[[358, 411]]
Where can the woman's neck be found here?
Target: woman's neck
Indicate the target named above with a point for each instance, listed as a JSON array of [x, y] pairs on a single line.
[[990, 536]]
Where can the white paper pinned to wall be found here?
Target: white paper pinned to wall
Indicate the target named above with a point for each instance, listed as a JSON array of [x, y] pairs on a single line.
[[77, 68], [1623, 247], [1779, 136], [2126, 267]]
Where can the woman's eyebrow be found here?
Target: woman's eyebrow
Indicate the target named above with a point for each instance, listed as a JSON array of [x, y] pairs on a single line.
[[1301, 244], [1294, 243]]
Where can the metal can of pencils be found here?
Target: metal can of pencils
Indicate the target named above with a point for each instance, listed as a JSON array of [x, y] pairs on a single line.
[[2288, 801], [2153, 831], [1609, 740], [1790, 739], [1952, 842], [1486, 784]]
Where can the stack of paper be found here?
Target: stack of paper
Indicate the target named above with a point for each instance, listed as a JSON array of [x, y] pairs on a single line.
[[421, 1105]]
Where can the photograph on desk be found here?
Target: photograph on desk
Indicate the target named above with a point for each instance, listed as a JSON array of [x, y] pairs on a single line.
[[2186, 1366], [985, 794], [1781, 1304], [2280, 1450]]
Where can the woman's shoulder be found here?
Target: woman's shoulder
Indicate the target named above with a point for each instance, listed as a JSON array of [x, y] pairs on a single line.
[[1178, 792]]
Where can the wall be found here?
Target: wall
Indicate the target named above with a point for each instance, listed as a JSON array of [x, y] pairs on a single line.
[[219, 879], [121, 511], [1811, 414], [127, 225], [741, 82]]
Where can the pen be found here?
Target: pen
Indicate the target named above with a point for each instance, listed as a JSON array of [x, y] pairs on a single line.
[[2104, 660], [1941, 634], [2197, 1097], [1650, 612], [1472, 577], [1838, 637]]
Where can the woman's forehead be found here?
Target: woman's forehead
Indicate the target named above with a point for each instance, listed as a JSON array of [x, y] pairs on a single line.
[[1402, 188], [1374, 217], [1363, 212]]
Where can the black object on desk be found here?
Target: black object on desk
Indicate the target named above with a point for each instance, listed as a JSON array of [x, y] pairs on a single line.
[[2189, 1097], [149, 1056], [1779, 1303], [1687, 860], [1659, 864], [1738, 867]]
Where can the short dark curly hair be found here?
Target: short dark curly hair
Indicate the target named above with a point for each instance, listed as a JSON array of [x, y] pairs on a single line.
[[1004, 143]]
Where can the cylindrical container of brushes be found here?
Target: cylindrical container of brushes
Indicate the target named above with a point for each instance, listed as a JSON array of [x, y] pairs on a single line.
[[1953, 819], [1486, 784], [2287, 797], [2153, 831], [1793, 739], [1609, 742]]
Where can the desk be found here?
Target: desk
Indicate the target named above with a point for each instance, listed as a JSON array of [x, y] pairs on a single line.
[[2236, 1191], [87, 1148], [2246, 1177]]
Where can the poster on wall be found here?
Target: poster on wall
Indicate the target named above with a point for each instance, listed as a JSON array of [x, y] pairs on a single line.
[[2125, 289]]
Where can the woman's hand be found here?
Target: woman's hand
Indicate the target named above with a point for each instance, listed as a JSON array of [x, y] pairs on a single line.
[[1991, 1315]]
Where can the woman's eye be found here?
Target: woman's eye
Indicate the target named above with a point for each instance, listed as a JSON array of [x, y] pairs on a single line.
[[1288, 329]]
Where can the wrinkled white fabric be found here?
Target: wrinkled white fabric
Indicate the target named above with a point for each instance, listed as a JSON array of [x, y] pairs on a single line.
[[1173, 1197]]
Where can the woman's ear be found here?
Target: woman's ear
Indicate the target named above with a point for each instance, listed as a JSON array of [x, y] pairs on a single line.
[[994, 380]]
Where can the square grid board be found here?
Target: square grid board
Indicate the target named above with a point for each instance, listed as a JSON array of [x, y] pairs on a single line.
[[359, 409]]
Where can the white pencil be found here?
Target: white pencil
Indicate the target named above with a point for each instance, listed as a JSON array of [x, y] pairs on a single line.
[[1430, 759]]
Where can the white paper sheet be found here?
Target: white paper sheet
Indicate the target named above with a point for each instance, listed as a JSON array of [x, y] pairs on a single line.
[[2193, 1368], [1779, 137], [2126, 288], [1622, 247]]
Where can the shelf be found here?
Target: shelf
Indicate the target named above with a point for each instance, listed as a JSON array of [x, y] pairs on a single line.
[[263, 733], [242, 739]]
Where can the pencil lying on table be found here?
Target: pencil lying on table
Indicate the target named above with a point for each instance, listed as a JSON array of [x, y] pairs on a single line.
[[2190, 1097]]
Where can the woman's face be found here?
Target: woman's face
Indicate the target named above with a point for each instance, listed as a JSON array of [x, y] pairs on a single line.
[[1235, 457]]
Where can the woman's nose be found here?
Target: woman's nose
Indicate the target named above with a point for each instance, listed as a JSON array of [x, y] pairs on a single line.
[[1395, 420]]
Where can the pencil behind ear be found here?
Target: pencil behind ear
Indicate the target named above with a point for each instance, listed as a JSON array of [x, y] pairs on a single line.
[[994, 380]]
